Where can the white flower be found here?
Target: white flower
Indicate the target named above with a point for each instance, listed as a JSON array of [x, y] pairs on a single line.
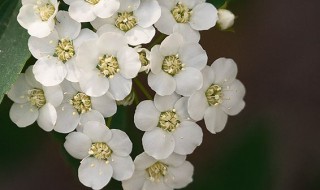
[[221, 95], [134, 20], [107, 61], [56, 52], [37, 16], [193, 13], [176, 66], [77, 108], [168, 127], [32, 102], [226, 19], [167, 174], [88, 10], [104, 154], [144, 57]]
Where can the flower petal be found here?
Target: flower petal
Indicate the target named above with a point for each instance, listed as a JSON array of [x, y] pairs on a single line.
[[204, 16], [111, 43], [166, 22], [139, 35], [188, 81], [171, 44], [105, 104], [31, 80], [123, 167], [93, 83], [92, 115], [41, 47], [148, 13], [162, 83], [67, 118], [106, 8], [97, 131], [197, 105], [23, 115], [120, 87], [135, 182], [225, 70], [109, 28], [179, 177], [215, 119], [143, 161], [154, 185], [87, 58], [47, 117], [129, 62], [94, 173], [19, 90], [81, 11], [120, 143], [175, 160], [146, 116], [232, 95], [156, 59], [193, 55], [77, 145], [208, 77], [189, 35], [49, 71], [66, 26], [85, 35], [53, 94], [187, 137], [158, 143], [128, 5], [165, 103], [181, 107]]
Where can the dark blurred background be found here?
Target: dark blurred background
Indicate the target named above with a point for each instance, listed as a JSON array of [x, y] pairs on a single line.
[[273, 144]]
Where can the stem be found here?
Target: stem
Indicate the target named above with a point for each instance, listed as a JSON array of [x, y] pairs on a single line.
[[109, 121], [142, 88], [136, 99]]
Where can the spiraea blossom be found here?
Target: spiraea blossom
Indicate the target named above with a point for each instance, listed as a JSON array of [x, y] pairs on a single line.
[[34, 102], [88, 10], [133, 20], [78, 107], [37, 16], [196, 14], [221, 95], [107, 63], [171, 173], [168, 127], [56, 52], [176, 66], [104, 153], [88, 54]]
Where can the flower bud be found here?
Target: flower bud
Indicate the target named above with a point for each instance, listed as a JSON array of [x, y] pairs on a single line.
[[226, 19]]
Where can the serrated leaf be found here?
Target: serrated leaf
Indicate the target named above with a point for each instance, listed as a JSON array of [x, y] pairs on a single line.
[[14, 50]]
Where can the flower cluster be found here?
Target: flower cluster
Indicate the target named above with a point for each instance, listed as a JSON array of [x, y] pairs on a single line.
[[88, 55]]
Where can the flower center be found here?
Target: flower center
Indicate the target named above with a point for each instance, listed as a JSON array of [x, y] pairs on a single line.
[[214, 95], [92, 2], [157, 171], [181, 13], [65, 50], [143, 58], [81, 102], [45, 11], [172, 65], [108, 65], [168, 121], [100, 150], [36, 97], [125, 21]]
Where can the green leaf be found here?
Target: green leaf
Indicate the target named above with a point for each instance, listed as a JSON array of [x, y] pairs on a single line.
[[14, 50]]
